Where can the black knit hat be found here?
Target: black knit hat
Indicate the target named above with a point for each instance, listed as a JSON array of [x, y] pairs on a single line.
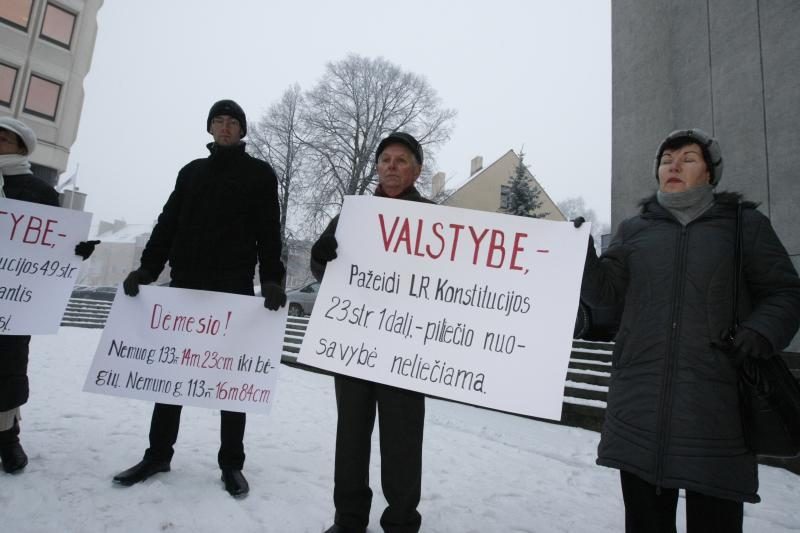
[[405, 139], [230, 108]]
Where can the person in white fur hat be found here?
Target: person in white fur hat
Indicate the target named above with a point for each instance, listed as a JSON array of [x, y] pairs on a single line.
[[17, 182]]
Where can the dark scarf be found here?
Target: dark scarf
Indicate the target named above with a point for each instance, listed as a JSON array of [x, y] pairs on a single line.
[[411, 191]]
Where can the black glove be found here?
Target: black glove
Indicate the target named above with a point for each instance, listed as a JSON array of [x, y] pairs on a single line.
[[324, 249], [578, 222], [274, 296], [85, 248], [745, 343], [134, 279], [750, 343]]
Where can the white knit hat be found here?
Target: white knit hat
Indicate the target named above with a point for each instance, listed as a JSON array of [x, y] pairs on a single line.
[[21, 129]]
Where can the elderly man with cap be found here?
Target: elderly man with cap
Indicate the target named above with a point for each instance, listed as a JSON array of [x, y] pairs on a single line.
[[221, 219], [17, 141], [401, 413], [672, 420]]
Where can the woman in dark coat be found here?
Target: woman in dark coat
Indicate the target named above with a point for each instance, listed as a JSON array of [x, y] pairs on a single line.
[[672, 420], [17, 182]]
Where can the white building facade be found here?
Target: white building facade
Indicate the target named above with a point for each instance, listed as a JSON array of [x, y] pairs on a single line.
[[46, 50]]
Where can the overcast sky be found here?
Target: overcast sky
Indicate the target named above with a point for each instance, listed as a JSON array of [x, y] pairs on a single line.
[[530, 73]]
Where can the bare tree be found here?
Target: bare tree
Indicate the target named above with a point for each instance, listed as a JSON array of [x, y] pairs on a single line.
[[357, 102], [276, 138], [576, 207]]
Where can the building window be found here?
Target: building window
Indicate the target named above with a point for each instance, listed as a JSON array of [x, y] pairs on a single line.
[[8, 77], [505, 192], [42, 98], [58, 25], [17, 13]]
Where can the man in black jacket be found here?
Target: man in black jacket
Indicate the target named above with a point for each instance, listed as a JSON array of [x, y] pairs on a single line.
[[17, 182], [222, 218], [401, 412]]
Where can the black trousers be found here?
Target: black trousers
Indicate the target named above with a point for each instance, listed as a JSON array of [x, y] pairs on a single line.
[[13, 370], [164, 427], [401, 417], [649, 512], [166, 419]]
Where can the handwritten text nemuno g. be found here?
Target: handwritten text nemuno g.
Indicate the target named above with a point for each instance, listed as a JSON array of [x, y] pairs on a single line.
[[195, 388], [187, 357]]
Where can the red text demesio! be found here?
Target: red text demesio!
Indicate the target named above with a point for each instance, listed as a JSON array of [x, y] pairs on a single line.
[[202, 325]]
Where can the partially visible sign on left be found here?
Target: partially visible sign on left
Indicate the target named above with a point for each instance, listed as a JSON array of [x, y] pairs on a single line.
[[38, 265]]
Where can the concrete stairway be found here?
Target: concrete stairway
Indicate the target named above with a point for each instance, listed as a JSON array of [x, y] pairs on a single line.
[[587, 384], [86, 313], [293, 338]]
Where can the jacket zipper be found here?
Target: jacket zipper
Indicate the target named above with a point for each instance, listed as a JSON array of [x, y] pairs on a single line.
[[671, 359]]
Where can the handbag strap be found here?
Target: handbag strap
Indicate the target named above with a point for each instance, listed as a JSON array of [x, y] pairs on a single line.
[[737, 265]]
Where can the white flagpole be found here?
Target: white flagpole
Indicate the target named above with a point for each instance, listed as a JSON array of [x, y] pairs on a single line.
[[74, 185]]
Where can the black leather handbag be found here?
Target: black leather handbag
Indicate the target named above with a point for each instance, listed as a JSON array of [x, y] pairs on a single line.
[[769, 395]]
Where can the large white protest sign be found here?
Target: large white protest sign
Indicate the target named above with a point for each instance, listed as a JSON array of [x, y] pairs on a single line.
[[472, 306], [38, 265], [188, 347]]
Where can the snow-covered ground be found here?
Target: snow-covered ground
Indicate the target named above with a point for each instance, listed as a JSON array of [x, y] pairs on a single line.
[[483, 471]]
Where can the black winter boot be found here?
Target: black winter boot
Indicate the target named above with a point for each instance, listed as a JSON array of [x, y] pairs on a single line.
[[235, 482], [11, 452], [13, 457], [141, 471]]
